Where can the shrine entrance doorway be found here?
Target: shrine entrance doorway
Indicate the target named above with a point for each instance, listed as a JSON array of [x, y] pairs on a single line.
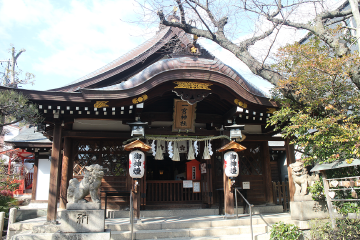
[[165, 182], [180, 182]]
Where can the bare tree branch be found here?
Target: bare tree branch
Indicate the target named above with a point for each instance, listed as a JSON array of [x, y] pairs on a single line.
[[202, 20], [182, 12], [9, 123]]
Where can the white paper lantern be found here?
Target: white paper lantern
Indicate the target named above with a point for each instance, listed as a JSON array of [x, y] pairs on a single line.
[[231, 164], [136, 164]]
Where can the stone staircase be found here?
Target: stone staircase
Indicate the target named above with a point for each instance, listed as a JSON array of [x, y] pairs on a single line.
[[179, 224], [194, 226]]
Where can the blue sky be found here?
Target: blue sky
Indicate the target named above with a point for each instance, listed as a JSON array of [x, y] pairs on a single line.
[[65, 40]]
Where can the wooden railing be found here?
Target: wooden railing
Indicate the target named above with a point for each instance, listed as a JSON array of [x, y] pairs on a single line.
[[281, 194], [159, 191]]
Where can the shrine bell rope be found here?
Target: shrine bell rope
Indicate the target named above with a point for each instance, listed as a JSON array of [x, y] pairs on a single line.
[[171, 138]]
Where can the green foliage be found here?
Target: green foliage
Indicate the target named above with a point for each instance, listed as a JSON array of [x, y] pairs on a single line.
[[322, 108], [285, 231], [319, 229], [348, 229], [16, 107], [317, 190]]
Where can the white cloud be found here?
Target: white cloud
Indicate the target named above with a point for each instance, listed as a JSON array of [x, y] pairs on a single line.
[[24, 12], [87, 36]]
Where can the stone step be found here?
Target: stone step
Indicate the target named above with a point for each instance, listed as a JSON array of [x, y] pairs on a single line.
[[261, 236], [192, 212], [185, 223], [167, 213], [188, 233]]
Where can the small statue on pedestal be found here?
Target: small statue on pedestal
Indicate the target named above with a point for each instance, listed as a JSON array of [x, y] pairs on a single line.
[[89, 185]]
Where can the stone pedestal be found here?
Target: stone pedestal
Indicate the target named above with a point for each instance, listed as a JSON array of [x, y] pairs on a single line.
[[82, 221], [83, 206], [308, 209]]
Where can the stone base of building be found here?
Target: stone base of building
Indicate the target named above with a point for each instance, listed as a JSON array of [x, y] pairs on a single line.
[[64, 236], [306, 210]]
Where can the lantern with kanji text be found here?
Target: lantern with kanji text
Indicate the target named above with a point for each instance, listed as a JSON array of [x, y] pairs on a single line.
[[137, 158], [231, 164], [136, 164]]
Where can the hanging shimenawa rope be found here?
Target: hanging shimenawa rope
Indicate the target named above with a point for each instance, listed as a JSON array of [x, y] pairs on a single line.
[[173, 138]]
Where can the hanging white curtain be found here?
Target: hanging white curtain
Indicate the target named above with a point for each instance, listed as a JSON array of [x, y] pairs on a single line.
[[176, 156], [206, 154], [159, 152], [191, 154]]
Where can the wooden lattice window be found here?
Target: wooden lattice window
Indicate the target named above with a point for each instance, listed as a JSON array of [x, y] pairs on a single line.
[[109, 154], [250, 160]]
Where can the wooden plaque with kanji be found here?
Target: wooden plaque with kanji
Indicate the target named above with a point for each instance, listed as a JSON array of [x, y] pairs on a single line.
[[184, 116]]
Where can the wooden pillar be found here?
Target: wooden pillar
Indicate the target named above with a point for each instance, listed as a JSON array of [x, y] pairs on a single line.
[[228, 196], [136, 190], [228, 190], [34, 183], [267, 173], [290, 158], [65, 175], [54, 174]]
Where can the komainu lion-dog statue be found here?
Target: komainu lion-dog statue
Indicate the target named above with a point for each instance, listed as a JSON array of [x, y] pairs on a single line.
[[90, 184], [301, 178]]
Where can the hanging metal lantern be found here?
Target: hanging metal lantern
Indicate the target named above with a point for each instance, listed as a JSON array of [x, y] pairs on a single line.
[[136, 164], [138, 128], [235, 131], [231, 164]]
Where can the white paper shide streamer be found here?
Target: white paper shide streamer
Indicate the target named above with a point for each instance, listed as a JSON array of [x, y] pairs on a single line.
[[210, 149], [196, 149], [153, 148], [170, 150], [206, 154], [159, 152], [191, 154], [176, 156]]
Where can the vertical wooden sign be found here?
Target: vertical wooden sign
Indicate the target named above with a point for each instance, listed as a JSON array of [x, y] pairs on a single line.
[[184, 116]]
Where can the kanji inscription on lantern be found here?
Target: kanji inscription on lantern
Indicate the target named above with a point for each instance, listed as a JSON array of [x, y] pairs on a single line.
[[184, 116], [82, 217], [233, 163], [136, 164]]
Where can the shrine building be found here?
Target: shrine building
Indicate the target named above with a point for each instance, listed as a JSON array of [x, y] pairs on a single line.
[[176, 97]]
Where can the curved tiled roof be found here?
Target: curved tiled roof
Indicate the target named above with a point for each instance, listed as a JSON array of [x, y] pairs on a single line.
[[123, 73], [188, 63]]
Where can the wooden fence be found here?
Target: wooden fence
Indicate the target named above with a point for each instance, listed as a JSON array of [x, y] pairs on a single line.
[[281, 194], [158, 191]]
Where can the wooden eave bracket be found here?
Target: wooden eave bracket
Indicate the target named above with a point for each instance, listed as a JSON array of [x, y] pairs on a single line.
[[137, 144], [232, 146]]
